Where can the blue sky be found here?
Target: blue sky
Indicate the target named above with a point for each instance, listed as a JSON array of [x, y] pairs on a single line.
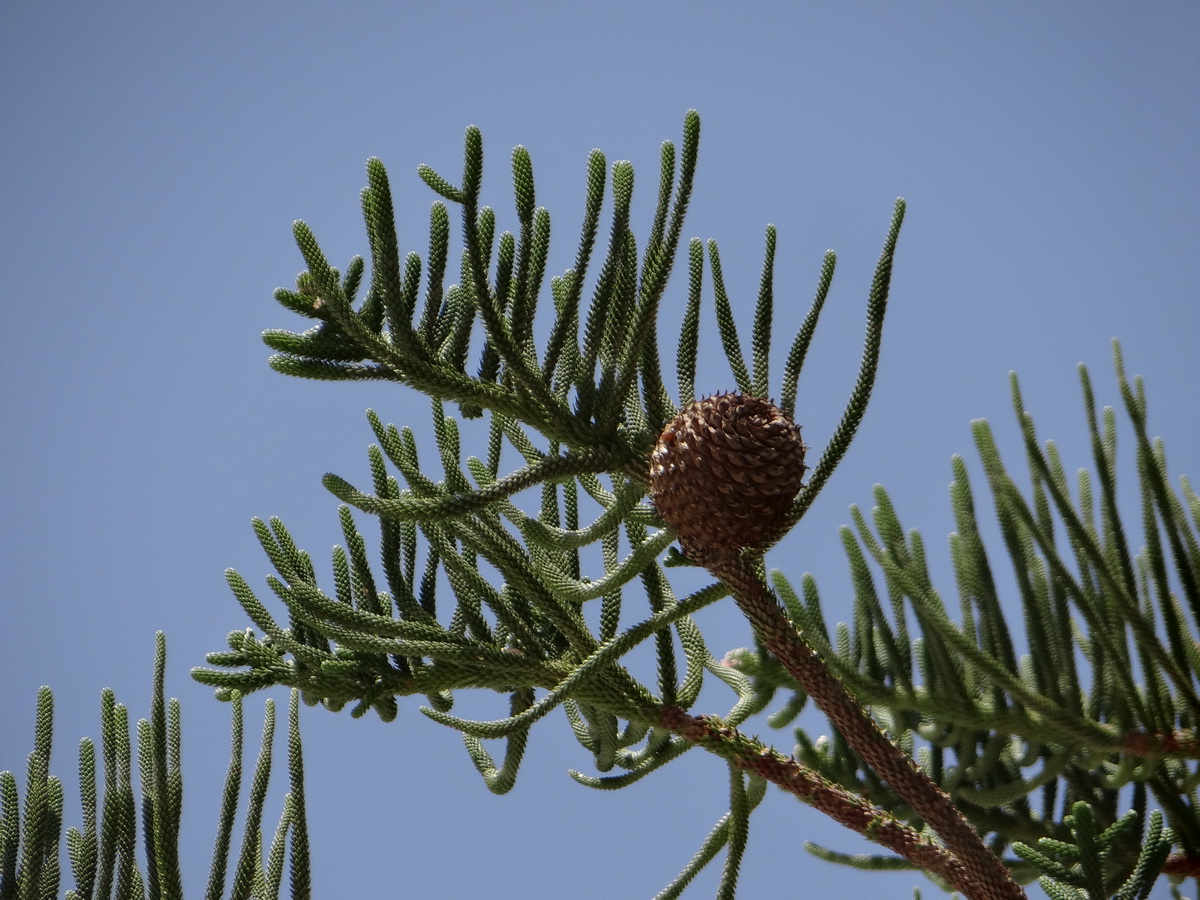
[[153, 156]]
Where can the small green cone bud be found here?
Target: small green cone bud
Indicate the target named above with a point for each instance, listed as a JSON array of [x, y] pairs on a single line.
[[725, 473]]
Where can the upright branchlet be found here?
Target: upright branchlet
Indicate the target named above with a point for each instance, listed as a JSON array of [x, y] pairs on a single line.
[[117, 819]]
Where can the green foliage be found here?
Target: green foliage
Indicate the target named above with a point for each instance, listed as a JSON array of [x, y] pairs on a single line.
[[1099, 710], [1082, 869], [581, 416], [543, 600], [103, 855]]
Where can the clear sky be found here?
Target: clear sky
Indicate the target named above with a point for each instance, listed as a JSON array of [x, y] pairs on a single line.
[[154, 155]]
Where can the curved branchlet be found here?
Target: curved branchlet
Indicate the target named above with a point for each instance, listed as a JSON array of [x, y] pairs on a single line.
[[800, 344], [856, 407], [689, 330], [1099, 700]]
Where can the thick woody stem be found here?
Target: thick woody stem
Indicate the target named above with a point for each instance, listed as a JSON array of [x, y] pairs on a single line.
[[832, 799], [989, 879]]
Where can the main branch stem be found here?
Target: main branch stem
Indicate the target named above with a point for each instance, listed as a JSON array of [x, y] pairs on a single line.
[[989, 879], [835, 801]]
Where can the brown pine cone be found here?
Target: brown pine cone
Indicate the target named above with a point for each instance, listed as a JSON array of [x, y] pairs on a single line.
[[725, 473]]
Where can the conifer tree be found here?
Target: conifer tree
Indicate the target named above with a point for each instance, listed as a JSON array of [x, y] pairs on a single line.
[[949, 751]]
